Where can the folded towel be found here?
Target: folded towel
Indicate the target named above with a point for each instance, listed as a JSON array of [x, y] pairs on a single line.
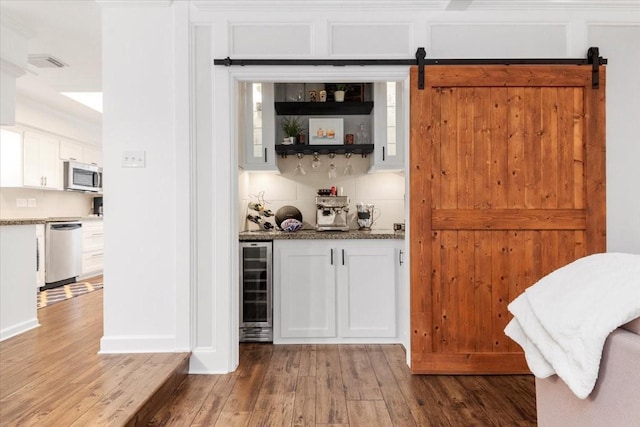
[[563, 320]]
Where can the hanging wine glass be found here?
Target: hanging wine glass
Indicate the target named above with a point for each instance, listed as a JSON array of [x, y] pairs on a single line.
[[299, 170], [316, 163], [332, 166], [348, 170]]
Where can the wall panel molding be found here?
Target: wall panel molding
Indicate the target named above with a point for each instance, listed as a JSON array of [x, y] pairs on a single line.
[[268, 39]]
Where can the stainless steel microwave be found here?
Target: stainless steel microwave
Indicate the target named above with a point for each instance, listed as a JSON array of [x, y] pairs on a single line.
[[82, 177]]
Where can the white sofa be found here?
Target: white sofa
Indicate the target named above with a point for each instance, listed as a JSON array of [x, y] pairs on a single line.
[[615, 400]]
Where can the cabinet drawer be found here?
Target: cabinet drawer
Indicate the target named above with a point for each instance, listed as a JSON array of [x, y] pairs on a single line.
[[93, 242], [92, 262]]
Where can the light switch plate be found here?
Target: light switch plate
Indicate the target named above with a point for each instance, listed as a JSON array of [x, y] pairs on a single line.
[[133, 159], [31, 203], [21, 203]]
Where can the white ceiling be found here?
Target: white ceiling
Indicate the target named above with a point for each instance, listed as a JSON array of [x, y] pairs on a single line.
[[69, 30]]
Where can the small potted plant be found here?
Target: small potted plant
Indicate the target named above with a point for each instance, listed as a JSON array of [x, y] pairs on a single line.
[[292, 127], [341, 89]]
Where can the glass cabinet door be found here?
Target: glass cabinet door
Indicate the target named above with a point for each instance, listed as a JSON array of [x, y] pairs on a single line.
[[257, 128], [389, 137]]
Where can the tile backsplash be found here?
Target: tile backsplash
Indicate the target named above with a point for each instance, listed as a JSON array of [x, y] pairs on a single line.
[[385, 190], [34, 203]]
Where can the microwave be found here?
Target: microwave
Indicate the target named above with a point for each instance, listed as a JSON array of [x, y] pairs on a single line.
[[82, 177]]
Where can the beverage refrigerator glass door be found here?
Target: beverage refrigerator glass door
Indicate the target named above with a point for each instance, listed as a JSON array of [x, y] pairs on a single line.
[[82, 177], [256, 292]]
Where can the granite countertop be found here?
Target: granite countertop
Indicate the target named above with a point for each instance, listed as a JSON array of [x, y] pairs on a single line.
[[320, 235], [28, 221]]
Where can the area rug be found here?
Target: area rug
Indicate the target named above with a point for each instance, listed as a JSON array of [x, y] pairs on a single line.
[[62, 293]]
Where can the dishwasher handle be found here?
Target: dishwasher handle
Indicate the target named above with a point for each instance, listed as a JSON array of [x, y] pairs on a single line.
[[65, 226]]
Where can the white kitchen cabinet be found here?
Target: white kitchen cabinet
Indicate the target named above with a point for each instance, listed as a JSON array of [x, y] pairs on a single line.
[[40, 255], [92, 247], [92, 155], [389, 127], [367, 290], [41, 161], [335, 290], [257, 128], [305, 294], [79, 152], [70, 150]]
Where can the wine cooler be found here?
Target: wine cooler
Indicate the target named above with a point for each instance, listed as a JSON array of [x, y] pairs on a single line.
[[256, 292]]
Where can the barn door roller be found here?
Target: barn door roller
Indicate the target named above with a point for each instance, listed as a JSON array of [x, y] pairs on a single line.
[[421, 61]]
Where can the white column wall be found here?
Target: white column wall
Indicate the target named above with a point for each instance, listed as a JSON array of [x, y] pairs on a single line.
[[145, 261], [146, 301]]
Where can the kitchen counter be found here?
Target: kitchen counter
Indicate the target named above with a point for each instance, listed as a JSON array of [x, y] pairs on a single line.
[[260, 235], [28, 221]]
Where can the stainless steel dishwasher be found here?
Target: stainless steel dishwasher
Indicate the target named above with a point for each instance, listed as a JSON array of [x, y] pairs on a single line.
[[63, 253]]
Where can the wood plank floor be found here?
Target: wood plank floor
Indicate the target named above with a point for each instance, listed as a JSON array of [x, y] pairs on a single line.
[[53, 375], [344, 385]]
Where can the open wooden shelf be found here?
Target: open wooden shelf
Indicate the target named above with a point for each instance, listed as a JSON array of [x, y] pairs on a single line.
[[323, 108], [363, 149]]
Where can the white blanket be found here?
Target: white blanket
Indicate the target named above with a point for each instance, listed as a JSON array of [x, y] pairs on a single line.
[[563, 320]]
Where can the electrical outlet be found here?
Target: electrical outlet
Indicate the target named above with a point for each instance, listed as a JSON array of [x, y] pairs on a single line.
[[21, 203], [31, 203], [133, 159]]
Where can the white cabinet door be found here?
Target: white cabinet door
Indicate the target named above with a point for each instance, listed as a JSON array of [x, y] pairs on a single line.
[[367, 291], [41, 161], [305, 290], [389, 127], [70, 150], [257, 127], [92, 247], [92, 155]]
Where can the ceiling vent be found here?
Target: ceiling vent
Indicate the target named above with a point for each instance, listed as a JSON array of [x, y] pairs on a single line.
[[46, 61]]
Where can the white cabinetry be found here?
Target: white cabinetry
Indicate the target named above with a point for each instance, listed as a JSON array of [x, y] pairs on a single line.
[[92, 247], [367, 290], [79, 152], [306, 292], [40, 161], [335, 291], [92, 155], [389, 128], [257, 131], [70, 150]]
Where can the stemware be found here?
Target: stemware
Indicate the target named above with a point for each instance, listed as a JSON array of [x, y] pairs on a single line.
[[316, 163], [348, 170], [332, 166], [299, 170]]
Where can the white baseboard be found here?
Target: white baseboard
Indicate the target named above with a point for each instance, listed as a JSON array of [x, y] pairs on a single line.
[[210, 361], [19, 328]]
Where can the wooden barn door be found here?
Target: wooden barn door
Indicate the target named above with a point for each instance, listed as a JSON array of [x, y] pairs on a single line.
[[507, 184]]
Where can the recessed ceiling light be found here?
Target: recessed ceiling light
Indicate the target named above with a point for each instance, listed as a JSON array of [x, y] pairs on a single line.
[[90, 99]]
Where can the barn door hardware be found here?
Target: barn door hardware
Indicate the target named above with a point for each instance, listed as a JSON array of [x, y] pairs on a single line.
[[594, 58], [421, 61]]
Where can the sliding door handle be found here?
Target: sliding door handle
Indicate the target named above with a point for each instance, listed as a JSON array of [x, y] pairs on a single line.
[[331, 256]]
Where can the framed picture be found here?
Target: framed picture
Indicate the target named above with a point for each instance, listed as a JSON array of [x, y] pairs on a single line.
[[326, 131]]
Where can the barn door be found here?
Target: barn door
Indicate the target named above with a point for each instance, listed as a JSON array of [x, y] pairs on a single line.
[[507, 184]]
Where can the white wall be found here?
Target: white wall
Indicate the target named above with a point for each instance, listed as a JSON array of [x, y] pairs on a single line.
[[146, 205], [141, 47]]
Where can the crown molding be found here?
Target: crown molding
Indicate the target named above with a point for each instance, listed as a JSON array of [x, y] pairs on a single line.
[[426, 5], [134, 3]]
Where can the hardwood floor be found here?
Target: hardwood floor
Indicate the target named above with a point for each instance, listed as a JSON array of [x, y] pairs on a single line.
[[53, 375], [344, 385]]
